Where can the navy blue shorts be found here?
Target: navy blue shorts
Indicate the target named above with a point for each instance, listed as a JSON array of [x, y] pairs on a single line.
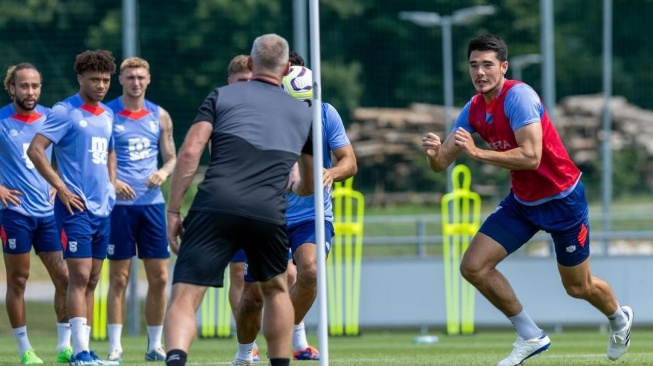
[[138, 229], [512, 224], [82, 235], [19, 233], [304, 232]]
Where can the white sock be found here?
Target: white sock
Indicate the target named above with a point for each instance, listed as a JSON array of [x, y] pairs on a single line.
[[154, 333], [88, 335], [115, 333], [245, 352], [63, 336], [21, 338], [525, 326], [618, 320], [79, 334], [299, 341]]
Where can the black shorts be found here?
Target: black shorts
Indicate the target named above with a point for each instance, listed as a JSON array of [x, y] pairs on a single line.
[[211, 239]]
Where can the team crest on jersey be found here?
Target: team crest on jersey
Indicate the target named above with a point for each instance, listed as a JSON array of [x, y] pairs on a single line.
[[12, 243], [83, 123], [13, 132], [111, 248], [72, 246]]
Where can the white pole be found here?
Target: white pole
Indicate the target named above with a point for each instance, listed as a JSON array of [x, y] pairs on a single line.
[[606, 176], [129, 49], [314, 16]]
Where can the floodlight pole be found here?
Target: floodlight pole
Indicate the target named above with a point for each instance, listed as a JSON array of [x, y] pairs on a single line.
[[518, 63], [459, 17]]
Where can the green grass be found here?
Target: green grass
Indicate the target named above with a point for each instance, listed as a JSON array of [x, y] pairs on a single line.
[[372, 348]]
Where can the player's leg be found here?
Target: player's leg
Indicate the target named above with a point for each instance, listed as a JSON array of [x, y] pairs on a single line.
[[17, 235], [236, 280], [201, 262], [119, 271], [153, 250], [156, 270], [121, 249], [48, 248], [76, 235], [267, 253], [248, 321], [572, 246], [504, 231]]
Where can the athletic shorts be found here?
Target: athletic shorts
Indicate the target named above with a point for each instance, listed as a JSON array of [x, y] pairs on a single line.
[[211, 239], [19, 233], [304, 233], [83, 234], [512, 224], [239, 257], [138, 229]]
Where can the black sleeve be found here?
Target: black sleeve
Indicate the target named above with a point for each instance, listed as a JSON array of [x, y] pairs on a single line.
[[206, 111], [308, 145]]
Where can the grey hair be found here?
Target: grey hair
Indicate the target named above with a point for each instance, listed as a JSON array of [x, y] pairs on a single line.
[[270, 52]]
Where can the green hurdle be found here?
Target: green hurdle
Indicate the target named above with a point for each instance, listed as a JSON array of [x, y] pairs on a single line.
[[461, 217], [214, 314], [99, 326], [344, 262]]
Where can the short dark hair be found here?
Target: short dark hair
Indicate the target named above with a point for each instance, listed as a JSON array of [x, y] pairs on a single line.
[[489, 42], [98, 60], [295, 59], [10, 78]]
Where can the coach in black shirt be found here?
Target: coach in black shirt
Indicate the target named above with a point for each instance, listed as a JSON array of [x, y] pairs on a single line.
[[257, 132]]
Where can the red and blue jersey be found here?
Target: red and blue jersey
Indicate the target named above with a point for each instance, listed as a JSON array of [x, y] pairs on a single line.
[[16, 169], [518, 105], [136, 136], [82, 137]]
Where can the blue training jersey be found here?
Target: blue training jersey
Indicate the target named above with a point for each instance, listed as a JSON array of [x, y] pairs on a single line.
[[302, 209], [136, 136], [16, 169], [82, 135]]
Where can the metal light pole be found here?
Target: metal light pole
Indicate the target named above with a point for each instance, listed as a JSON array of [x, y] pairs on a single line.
[[518, 63], [459, 17]]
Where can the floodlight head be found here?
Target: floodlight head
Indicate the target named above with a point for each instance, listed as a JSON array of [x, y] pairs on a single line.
[[421, 18], [468, 15]]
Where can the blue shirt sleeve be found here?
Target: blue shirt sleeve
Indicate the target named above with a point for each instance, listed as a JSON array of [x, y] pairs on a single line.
[[335, 130], [463, 120], [522, 106], [56, 124]]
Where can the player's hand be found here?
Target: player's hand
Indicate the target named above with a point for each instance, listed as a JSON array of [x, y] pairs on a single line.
[[9, 196], [431, 144], [464, 140], [124, 190], [71, 200], [174, 230], [156, 179], [53, 194], [327, 179], [293, 177]]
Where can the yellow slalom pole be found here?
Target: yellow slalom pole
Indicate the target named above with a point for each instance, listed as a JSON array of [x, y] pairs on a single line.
[[99, 328], [461, 215]]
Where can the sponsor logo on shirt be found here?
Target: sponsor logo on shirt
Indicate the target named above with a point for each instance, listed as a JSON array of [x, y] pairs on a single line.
[[139, 148], [28, 162], [99, 150]]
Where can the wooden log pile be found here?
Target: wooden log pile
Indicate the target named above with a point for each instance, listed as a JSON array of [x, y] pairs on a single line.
[[387, 142]]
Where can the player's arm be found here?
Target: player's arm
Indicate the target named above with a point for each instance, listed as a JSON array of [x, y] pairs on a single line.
[[112, 165], [344, 168], [304, 186], [167, 150], [36, 153], [439, 155], [182, 176], [526, 156]]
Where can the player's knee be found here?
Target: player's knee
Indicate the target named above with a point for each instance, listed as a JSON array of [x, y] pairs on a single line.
[[577, 290], [118, 281], [470, 271], [158, 280], [307, 275], [251, 302], [17, 280]]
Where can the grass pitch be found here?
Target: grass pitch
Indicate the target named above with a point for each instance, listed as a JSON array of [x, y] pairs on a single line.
[[372, 348]]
